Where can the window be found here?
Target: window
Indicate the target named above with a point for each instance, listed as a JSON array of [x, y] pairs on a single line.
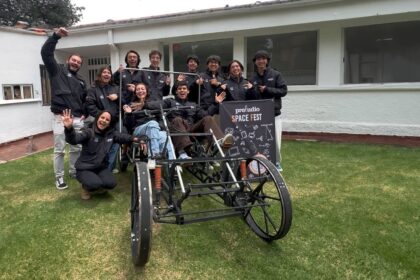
[[17, 92], [94, 64], [383, 53], [45, 86], [293, 54], [202, 49]]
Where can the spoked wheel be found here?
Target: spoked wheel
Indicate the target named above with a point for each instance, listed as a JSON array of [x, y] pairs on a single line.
[[141, 214], [266, 200]]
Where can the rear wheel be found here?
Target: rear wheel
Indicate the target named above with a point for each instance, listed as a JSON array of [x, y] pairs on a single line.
[[141, 214], [266, 200]]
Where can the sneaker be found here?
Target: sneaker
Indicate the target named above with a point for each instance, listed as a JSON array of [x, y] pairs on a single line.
[[85, 194], [226, 142], [72, 175], [60, 184], [115, 171], [184, 155], [278, 167]]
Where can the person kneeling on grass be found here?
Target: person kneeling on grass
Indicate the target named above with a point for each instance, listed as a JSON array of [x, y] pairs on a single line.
[[92, 166]]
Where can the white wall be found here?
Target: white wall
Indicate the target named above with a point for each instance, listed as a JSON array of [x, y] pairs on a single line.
[[375, 110], [20, 59]]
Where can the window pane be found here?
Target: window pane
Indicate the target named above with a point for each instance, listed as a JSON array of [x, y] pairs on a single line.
[[16, 92], [293, 54], [27, 92], [383, 53], [45, 86], [202, 49], [8, 93]]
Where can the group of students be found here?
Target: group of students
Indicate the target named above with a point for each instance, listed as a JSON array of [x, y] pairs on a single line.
[[197, 99]]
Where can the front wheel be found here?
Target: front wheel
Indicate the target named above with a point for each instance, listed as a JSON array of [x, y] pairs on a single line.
[[141, 214], [266, 200]]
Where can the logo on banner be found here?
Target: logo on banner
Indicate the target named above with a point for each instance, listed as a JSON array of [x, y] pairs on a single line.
[[252, 125]]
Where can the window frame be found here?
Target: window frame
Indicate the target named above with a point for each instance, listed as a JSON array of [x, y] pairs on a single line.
[[21, 88]]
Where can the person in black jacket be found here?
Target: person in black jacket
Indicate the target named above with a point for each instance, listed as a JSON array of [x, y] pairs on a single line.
[[158, 82], [92, 165], [129, 77], [188, 117], [192, 78], [141, 123], [103, 95], [68, 91], [213, 85], [237, 87], [270, 85]]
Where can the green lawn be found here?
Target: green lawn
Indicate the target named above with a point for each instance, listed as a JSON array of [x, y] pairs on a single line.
[[356, 216]]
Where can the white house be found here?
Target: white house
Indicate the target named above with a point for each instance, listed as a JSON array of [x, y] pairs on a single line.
[[352, 66]]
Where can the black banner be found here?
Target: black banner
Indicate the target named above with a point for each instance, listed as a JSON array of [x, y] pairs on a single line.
[[252, 125]]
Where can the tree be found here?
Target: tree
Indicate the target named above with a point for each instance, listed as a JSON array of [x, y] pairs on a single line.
[[40, 13]]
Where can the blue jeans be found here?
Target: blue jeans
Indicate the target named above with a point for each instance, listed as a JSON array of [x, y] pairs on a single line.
[[112, 156], [157, 138]]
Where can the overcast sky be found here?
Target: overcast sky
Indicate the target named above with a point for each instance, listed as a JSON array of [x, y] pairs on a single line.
[[100, 10]]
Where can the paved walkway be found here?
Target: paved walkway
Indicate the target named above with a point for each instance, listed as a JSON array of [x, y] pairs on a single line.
[[20, 148]]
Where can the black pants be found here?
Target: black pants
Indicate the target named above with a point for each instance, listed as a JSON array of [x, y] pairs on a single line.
[[92, 180]]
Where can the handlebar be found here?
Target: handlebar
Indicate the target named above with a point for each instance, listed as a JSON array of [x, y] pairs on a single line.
[[152, 112]]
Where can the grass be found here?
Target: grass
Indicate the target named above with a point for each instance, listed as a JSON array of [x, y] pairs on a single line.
[[356, 216]]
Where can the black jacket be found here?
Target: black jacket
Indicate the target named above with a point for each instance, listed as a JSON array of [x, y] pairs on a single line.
[[157, 84], [192, 114], [68, 90], [208, 92], [127, 77], [236, 89], [95, 145], [97, 101], [137, 118], [275, 87]]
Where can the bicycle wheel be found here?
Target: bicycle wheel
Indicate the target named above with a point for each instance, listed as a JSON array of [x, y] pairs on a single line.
[[266, 200], [141, 214]]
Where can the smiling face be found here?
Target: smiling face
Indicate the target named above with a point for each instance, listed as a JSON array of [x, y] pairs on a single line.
[[103, 121], [213, 66], [132, 60], [106, 76], [74, 63], [155, 60], [141, 91], [235, 69], [192, 65], [261, 62], [182, 92]]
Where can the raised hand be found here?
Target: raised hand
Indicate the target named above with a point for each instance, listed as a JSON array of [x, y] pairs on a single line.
[[62, 32], [112, 96], [219, 98], [67, 118]]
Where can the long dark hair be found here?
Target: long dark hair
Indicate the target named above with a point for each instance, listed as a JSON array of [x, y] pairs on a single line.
[[135, 98], [98, 81], [111, 123], [126, 58]]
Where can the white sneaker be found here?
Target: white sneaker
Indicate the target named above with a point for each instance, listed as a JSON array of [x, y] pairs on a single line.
[[60, 184], [115, 171], [184, 156]]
